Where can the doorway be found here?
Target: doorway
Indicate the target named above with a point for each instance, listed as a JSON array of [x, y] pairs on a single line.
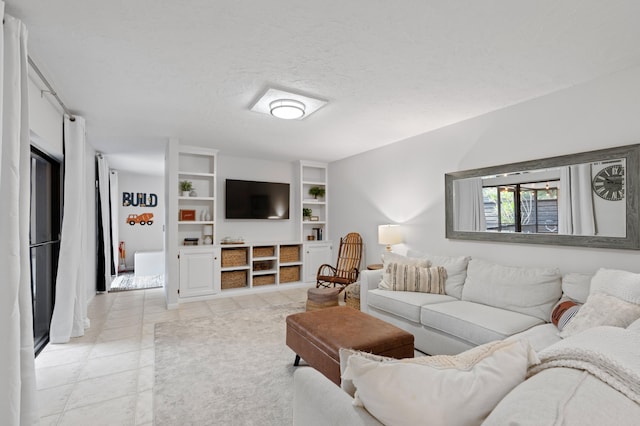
[[44, 241]]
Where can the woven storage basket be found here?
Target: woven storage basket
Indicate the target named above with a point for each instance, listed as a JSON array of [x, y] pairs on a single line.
[[264, 280], [233, 279], [234, 257], [262, 265], [289, 254], [352, 296], [267, 251], [289, 274]]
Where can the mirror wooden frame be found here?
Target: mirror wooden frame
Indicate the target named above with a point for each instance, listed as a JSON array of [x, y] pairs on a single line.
[[631, 153]]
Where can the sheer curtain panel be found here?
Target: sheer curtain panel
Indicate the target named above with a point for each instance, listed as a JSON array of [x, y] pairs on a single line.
[[70, 310], [17, 370]]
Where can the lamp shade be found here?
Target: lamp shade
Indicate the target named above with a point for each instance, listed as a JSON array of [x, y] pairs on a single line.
[[389, 235]]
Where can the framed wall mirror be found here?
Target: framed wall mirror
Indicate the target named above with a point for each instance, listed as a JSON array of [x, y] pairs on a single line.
[[589, 199]]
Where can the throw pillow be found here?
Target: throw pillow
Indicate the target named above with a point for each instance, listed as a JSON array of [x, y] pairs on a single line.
[[416, 278], [563, 312], [621, 284], [389, 257], [456, 270], [347, 384], [440, 390], [602, 309]]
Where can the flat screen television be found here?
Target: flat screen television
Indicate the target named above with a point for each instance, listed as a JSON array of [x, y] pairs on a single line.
[[246, 199]]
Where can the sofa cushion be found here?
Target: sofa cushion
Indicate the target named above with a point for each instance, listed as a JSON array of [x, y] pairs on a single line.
[[405, 304], [635, 326], [576, 286], [473, 322], [540, 337], [456, 270], [440, 390], [529, 291]]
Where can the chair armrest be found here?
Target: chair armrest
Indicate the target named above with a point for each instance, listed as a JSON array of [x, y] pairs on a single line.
[[326, 266], [368, 281]]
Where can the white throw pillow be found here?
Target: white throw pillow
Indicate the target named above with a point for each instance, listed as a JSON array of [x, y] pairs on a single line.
[[389, 257], [529, 291], [440, 390], [456, 270], [621, 284], [602, 309]]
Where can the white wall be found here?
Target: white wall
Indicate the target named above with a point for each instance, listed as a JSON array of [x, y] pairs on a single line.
[[141, 237], [404, 182], [259, 170]]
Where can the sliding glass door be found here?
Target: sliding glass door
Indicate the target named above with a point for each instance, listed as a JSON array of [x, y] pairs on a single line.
[[44, 241]]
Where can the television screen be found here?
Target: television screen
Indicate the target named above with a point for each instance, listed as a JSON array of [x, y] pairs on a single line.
[[256, 200]]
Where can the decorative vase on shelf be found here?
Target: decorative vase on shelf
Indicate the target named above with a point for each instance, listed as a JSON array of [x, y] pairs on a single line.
[[207, 215], [193, 193], [185, 193]]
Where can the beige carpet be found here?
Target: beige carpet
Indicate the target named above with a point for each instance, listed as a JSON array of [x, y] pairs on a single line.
[[232, 368]]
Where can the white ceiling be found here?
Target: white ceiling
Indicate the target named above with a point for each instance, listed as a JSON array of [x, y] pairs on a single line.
[[145, 70]]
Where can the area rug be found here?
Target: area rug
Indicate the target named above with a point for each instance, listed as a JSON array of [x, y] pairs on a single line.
[[231, 368], [131, 282]]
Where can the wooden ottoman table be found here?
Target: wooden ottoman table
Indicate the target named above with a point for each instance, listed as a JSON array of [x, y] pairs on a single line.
[[317, 336]]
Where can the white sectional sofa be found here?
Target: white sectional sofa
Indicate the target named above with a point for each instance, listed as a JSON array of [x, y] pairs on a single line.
[[588, 376], [483, 302]]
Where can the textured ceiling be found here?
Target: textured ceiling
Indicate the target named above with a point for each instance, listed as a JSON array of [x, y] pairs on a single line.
[[146, 70]]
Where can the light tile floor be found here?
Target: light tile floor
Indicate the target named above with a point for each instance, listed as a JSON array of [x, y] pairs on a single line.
[[106, 377]]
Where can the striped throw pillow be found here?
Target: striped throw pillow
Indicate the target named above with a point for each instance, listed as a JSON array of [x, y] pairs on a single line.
[[416, 278], [563, 312]]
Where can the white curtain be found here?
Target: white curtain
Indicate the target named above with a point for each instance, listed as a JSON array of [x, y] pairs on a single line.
[[469, 205], [17, 370], [103, 187], [70, 310], [115, 221], [575, 201]]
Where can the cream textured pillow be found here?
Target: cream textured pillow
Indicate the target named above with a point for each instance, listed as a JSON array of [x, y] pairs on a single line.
[[416, 278], [621, 284], [389, 257], [602, 309], [440, 390]]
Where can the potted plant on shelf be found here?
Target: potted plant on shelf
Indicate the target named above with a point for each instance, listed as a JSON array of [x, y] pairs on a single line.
[[316, 191], [186, 187], [306, 213]]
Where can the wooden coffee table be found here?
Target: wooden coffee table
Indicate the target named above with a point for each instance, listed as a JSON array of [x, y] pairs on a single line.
[[317, 337]]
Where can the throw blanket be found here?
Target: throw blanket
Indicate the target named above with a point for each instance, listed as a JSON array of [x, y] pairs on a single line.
[[612, 354]]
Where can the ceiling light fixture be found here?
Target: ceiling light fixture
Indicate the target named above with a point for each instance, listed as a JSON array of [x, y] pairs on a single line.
[[287, 105], [287, 109]]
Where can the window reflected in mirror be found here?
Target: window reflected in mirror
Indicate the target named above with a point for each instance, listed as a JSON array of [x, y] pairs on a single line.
[[558, 200]]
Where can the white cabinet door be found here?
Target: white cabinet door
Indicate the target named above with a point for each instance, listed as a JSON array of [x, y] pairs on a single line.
[[314, 256], [198, 272]]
